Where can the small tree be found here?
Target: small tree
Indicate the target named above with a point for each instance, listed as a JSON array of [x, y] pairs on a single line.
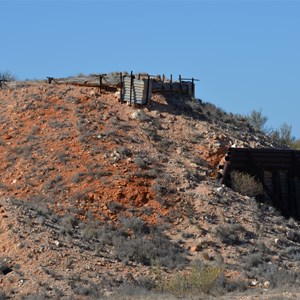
[[257, 120], [7, 76], [296, 144], [283, 135]]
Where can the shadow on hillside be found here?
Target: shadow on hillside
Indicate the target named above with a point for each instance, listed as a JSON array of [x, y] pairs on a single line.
[[129, 240], [180, 104], [183, 104]]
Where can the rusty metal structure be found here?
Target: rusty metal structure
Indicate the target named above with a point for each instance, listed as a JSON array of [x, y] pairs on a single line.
[[278, 171]]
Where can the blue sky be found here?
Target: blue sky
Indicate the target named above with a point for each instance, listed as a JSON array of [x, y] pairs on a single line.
[[245, 53]]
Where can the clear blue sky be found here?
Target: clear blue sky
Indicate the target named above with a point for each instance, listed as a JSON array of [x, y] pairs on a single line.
[[245, 53]]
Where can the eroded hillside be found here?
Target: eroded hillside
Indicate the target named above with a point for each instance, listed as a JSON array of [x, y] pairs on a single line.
[[97, 196]]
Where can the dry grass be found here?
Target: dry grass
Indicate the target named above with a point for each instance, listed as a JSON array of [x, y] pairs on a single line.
[[246, 184], [200, 279]]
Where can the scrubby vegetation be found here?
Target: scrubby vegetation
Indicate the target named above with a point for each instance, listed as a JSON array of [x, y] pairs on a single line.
[[107, 200], [200, 279], [7, 75], [281, 136], [245, 184]]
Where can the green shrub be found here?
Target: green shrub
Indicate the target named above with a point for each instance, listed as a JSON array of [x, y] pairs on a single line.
[[283, 136], [295, 144], [201, 278], [257, 120]]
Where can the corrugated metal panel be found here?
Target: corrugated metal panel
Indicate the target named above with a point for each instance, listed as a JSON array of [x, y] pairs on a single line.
[[138, 91]]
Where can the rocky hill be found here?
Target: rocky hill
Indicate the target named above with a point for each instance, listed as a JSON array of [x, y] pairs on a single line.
[[104, 200]]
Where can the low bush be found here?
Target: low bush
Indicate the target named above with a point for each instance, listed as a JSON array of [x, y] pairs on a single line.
[[136, 225], [163, 185], [148, 246], [246, 184], [78, 177], [114, 206], [254, 260], [67, 224], [230, 234], [201, 278], [141, 162], [277, 276]]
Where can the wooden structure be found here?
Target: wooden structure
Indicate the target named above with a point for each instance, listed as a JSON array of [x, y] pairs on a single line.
[[133, 88], [277, 170]]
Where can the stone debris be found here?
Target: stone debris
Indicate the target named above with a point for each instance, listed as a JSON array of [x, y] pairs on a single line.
[[75, 162]]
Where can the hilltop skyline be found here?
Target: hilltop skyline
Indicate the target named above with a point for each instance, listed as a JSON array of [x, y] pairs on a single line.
[[245, 53]]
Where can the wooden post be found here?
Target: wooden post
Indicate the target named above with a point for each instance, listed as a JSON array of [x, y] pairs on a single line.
[[100, 83], [131, 86], [50, 79], [121, 91], [148, 86], [193, 87], [180, 85]]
